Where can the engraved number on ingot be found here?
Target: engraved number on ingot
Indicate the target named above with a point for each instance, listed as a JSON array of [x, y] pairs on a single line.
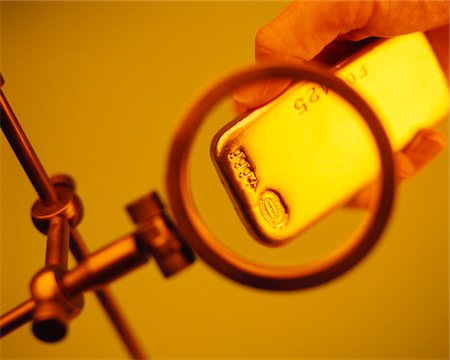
[[272, 209], [243, 169], [314, 93]]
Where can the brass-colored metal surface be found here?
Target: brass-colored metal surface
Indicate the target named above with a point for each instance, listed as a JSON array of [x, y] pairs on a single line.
[[68, 205], [57, 251], [121, 324], [54, 306], [16, 317], [105, 265], [158, 236], [25, 153], [221, 257], [289, 163], [109, 303], [51, 203]]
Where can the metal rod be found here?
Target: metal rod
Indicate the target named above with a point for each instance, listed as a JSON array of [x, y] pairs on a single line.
[[105, 265], [46, 191], [16, 317], [24, 312], [25, 153], [110, 305], [116, 316], [58, 234]]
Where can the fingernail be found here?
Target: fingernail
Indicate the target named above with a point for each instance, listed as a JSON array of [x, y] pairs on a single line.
[[425, 147], [260, 92], [250, 93]]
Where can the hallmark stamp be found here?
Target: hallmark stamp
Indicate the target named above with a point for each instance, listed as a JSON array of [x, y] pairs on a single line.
[[272, 209], [243, 169]]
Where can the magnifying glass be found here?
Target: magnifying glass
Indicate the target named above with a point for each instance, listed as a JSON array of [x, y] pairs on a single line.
[[288, 164], [219, 256]]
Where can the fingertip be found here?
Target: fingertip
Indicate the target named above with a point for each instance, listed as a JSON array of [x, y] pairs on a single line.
[[426, 145], [248, 93], [239, 108], [404, 167], [259, 93], [436, 137]]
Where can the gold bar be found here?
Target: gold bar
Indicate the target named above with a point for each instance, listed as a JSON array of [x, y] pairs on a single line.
[[289, 163]]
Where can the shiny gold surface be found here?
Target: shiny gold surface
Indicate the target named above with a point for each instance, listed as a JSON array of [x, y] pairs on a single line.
[[246, 270], [291, 162]]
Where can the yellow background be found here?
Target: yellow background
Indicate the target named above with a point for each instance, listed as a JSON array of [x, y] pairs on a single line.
[[99, 88]]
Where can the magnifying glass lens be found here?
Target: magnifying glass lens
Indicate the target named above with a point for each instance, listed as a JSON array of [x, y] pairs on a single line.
[[283, 184], [284, 168]]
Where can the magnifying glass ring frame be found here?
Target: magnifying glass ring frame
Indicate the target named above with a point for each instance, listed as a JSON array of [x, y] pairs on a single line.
[[219, 256]]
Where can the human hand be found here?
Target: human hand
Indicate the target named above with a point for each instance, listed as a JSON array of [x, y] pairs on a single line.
[[312, 30]]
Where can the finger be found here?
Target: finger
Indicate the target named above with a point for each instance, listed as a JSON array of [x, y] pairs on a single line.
[[305, 28], [259, 92], [363, 198], [238, 108], [423, 148], [298, 34], [392, 18]]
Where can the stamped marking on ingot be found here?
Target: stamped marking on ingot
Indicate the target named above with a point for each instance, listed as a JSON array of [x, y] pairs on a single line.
[[272, 209], [243, 169]]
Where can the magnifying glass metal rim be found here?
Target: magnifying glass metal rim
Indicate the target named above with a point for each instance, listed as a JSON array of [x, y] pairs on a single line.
[[222, 258]]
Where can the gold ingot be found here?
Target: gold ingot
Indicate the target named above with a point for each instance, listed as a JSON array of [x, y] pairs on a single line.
[[289, 163]]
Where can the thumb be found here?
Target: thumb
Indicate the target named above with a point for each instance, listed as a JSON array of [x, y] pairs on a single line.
[[298, 34], [304, 28]]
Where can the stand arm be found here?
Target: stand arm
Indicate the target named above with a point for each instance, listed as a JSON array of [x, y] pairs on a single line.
[[16, 317], [25, 153], [57, 251], [80, 251], [47, 192]]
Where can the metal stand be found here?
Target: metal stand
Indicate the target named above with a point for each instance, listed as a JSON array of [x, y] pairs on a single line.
[[56, 292]]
